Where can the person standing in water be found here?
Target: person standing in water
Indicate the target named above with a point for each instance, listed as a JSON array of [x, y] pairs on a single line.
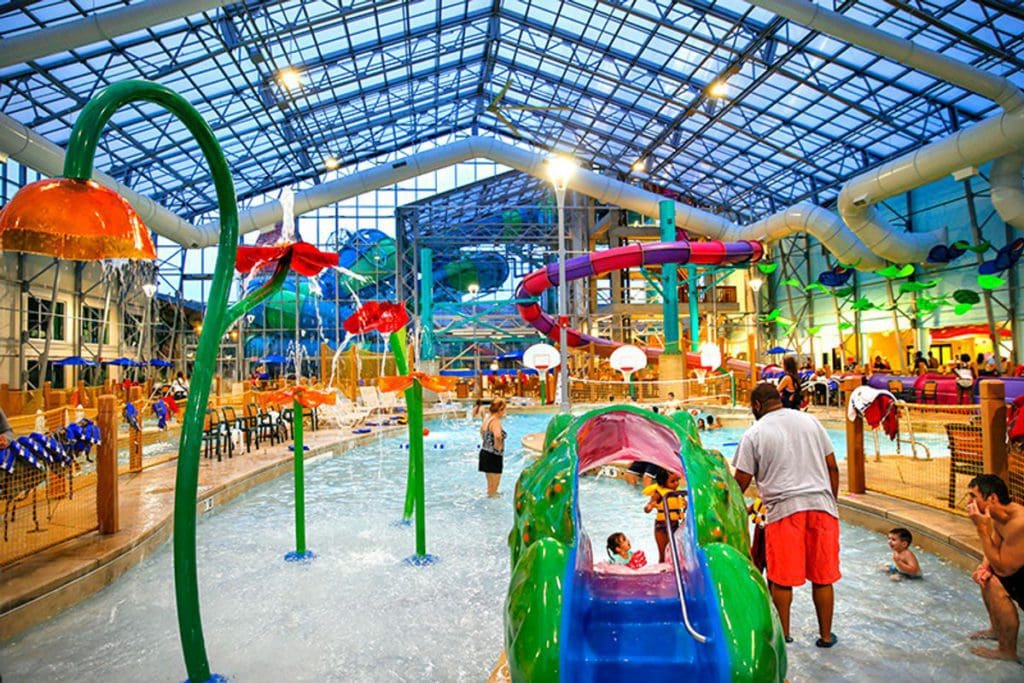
[[492, 452]]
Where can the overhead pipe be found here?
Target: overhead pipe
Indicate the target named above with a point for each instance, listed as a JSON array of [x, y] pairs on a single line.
[[973, 146], [1007, 193], [34, 151], [820, 223], [99, 27]]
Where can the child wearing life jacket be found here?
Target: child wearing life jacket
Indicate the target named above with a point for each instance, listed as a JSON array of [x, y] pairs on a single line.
[[620, 551], [666, 482]]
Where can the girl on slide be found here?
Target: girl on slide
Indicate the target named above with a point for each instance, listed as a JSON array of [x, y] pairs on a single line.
[[667, 482]]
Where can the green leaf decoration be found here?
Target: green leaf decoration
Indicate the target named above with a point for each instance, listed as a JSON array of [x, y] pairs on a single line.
[[966, 296], [845, 325], [961, 244], [784, 325], [990, 281], [907, 287], [791, 282], [862, 304], [767, 268], [895, 271], [816, 287], [814, 330], [960, 309], [773, 316], [981, 247], [921, 314], [845, 291], [926, 306]]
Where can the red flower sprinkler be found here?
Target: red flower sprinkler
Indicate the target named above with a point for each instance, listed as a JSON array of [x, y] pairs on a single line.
[[305, 259], [391, 319]]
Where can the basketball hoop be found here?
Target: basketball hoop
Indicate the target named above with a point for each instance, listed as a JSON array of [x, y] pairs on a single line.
[[701, 374]]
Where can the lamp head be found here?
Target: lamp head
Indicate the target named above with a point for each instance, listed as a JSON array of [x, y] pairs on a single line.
[[78, 220], [149, 289], [561, 170], [755, 284], [473, 288]]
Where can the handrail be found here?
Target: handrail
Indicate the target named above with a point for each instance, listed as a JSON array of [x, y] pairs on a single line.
[[677, 568]]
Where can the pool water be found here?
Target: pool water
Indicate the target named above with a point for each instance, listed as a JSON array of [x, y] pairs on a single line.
[[357, 613]]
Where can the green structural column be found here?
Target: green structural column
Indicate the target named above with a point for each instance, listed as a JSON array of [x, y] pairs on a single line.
[[691, 275], [300, 493], [397, 343], [427, 305], [669, 280], [543, 387]]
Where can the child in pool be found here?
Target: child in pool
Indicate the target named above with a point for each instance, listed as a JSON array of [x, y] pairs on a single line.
[[620, 551], [904, 563], [666, 483]]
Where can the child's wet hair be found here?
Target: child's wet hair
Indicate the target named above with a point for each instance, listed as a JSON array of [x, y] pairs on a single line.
[[662, 476], [614, 541], [902, 534]]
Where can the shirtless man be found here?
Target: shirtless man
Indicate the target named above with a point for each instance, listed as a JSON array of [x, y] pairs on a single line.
[[1000, 525]]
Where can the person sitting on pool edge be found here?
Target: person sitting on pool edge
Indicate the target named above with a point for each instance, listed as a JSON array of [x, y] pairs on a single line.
[[1000, 526]]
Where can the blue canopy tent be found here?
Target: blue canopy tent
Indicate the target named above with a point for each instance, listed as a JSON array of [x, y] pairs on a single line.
[[123, 362], [160, 363], [778, 349], [75, 361], [273, 358]]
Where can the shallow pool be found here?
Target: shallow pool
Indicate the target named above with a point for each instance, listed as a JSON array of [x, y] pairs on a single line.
[[357, 613]]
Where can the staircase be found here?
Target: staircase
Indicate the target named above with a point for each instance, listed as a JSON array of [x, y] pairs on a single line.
[[628, 628]]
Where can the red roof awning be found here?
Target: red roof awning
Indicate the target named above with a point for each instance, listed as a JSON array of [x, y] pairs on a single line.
[[964, 331]]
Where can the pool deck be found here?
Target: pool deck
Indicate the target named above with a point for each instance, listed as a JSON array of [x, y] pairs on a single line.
[[40, 586]]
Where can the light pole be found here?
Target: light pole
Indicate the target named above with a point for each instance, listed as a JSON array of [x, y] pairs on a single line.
[[560, 170], [755, 286], [473, 289]]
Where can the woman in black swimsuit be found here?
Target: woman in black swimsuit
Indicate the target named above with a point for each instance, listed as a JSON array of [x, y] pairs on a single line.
[[789, 385], [492, 452]]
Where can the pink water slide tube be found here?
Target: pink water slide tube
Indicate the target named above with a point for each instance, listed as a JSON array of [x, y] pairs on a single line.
[[595, 263]]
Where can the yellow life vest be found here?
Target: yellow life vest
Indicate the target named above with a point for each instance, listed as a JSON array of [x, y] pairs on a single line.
[[676, 504]]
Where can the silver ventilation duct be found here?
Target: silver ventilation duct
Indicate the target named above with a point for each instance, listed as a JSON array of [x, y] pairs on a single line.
[[973, 146], [1007, 193]]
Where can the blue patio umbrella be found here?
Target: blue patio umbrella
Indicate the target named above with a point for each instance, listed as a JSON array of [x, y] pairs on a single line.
[[160, 363], [778, 349], [122, 362], [273, 358], [74, 360]]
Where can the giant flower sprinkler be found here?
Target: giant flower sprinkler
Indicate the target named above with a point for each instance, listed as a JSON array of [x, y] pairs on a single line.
[[74, 217], [391, 319], [305, 259]]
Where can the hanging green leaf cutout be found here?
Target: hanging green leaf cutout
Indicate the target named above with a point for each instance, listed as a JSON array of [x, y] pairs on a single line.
[[926, 305], [771, 317], [981, 247], [814, 330], [960, 309], [790, 282], [966, 296], [845, 325], [767, 268], [862, 304], [895, 271], [907, 287], [816, 287], [990, 281], [845, 291]]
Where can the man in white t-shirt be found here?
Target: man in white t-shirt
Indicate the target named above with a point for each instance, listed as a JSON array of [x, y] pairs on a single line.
[[790, 455]]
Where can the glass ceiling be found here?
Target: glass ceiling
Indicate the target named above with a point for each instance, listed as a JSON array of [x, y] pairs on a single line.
[[611, 82]]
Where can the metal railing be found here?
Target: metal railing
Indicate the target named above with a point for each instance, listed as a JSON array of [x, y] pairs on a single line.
[[677, 566]]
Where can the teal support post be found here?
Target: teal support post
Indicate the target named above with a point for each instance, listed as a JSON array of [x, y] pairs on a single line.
[[669, 281], [691, 274], [416, 458], [427, 351]]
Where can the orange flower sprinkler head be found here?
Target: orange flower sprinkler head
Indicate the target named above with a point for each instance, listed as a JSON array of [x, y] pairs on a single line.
[[72, 219]]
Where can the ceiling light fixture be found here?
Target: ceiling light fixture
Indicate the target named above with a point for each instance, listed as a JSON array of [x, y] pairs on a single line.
[[718, 89], [290, 78]]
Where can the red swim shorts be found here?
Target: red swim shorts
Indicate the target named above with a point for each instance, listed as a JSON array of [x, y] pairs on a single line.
[[803, 546]]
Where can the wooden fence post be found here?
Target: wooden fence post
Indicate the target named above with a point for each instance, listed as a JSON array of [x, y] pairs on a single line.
[[993, 427], [107, 507], [855, 480], [135, 435]]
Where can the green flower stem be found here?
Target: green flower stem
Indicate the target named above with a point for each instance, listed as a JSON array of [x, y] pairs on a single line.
[[414, 487], [79, 164], [299, 474]]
